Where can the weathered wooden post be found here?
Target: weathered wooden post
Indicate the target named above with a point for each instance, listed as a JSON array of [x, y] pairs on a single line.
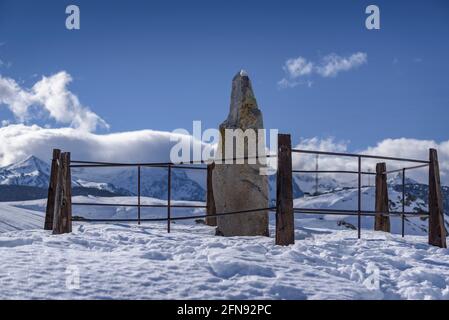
[[62, 221], [58, 197], [437, 230], [382, 220], [67, 200], [285, 233], [49, 212], [210, 202]]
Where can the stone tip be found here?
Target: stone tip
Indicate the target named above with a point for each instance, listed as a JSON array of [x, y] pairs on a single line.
[[241, 73]]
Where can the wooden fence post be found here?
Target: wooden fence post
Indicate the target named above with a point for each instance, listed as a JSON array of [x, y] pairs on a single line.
[[437, 230], [381, 222], [62, 221], [49, 212], [58, 198], [210, 202], [285, 233], [67, 199]]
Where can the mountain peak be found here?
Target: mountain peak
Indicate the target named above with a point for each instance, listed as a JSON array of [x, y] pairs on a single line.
[[397, 180], [29, 163], [30, 171]]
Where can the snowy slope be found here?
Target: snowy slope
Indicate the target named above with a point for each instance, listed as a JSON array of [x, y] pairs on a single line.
[[153, 181], [28, 215], [347, 199], [144, 262], [131, 262], [16, 218]]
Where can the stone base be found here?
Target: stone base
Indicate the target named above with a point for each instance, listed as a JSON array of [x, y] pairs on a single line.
[[241, 188]]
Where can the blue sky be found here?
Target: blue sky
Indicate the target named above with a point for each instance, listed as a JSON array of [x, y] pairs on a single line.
[[162, 64]]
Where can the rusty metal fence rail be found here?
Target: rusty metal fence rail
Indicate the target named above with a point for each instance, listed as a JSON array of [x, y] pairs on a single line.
[[188, 165], [360, 212]]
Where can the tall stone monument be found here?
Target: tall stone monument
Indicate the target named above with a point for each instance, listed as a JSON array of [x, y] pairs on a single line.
[[239, 187]]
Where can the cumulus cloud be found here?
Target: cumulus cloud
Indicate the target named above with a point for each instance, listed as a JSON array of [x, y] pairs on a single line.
[[298, 67], [401, 147], [332, 64], [51, 95], [329, 66]]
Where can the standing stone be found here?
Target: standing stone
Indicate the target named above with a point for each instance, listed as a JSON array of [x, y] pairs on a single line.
[[240, 187]]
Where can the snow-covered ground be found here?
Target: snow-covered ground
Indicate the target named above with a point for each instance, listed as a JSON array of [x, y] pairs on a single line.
[[133, 262], [17, 218]]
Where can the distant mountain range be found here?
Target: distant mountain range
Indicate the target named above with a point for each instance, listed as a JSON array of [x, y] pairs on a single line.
[[28, 179]]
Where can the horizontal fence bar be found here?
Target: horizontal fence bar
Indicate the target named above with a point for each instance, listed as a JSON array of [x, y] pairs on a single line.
[[364, 214], [368, 213], [173, 218], [407, 168], [135, 165], [135, 205], [188, 167], [81, 163], [347, 210], [358, 155], [333, 171], [297, 210]]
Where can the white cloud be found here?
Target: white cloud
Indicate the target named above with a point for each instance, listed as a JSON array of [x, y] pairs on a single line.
[[332, 64], [329, 66], [298, 67], [327, 144], [51, 95], [19, 141], [401, 148], [284, 83]]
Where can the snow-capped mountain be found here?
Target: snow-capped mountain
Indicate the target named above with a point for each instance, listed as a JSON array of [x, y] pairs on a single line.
[[153, 181], [397, 180], [31, 171], [32, 174], [307, 183], [28, 179], [416, 200]]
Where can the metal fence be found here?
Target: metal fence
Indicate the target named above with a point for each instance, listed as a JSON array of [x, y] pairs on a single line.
[[59, 215], [359, 212], [189, 165]]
